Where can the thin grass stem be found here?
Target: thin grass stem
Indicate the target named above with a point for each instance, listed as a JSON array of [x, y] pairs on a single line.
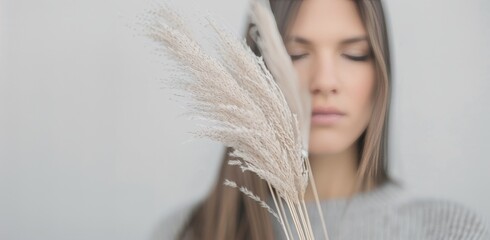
[[278, 211], [307, 216], [317, 200], [285, 217], [297, 223]]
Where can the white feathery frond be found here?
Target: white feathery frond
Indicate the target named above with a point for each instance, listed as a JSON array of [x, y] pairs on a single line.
[[251, 195], [230, 183], [234, 162]]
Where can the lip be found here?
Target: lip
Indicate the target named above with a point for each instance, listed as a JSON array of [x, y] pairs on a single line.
[[326, 116]]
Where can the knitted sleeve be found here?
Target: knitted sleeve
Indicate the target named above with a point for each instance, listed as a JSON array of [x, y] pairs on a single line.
[[448, 220]]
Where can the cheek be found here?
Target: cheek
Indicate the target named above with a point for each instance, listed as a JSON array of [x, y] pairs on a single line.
[[360, 89], [361, 98]]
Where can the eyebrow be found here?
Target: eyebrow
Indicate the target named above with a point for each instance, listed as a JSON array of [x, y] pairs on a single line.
[[305, 41]]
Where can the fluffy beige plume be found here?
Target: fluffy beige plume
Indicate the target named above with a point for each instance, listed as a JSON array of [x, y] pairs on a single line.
[[245, 107]]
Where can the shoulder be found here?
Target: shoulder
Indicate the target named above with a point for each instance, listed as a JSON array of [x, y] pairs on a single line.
[[170, 226], [445, 219]]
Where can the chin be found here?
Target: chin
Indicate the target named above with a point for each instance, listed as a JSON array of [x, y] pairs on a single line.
[[326, 147], [331, 141]]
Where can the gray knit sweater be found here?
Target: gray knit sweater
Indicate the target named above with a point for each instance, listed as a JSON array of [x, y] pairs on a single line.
[[387, 212]]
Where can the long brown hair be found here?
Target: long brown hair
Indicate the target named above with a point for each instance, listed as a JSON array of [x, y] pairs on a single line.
[[228, 214]]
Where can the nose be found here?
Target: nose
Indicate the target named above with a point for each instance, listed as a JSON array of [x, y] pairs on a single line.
[[323, 78]]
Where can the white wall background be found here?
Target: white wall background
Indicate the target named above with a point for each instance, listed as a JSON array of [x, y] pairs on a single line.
[[91, 147]]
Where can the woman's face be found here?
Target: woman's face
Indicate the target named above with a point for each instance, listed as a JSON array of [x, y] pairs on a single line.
[[331, 54]]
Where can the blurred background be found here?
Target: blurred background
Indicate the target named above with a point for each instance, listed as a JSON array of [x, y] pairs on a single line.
[[92, 146]]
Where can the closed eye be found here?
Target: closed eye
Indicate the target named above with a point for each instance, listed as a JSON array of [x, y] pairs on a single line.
[[298, 57], [357, 58]]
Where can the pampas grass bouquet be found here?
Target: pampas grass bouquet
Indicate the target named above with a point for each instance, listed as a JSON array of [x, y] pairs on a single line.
[[253, 104]]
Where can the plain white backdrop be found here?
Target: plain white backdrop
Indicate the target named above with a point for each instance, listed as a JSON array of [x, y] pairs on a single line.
[[92, 147]]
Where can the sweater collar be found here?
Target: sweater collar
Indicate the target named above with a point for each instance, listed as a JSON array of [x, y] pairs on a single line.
[[382, 195]]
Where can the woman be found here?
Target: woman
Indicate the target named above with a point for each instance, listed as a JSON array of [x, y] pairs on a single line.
[[340, 49]]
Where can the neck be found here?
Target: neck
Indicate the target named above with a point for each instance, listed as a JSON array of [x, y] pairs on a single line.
[[335, 174]]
